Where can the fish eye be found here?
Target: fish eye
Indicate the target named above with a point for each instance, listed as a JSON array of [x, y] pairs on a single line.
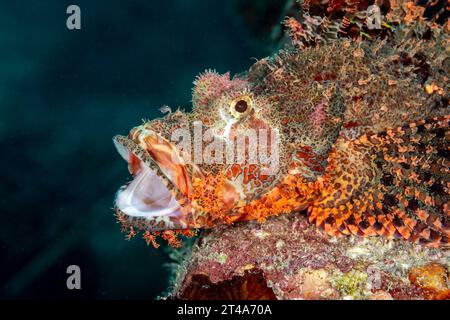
[[241, 106]]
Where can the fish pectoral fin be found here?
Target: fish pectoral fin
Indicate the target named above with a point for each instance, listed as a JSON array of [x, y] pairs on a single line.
[[394, 183]]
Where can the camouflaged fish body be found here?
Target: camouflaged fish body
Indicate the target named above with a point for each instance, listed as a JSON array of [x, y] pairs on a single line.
[[363, 130]]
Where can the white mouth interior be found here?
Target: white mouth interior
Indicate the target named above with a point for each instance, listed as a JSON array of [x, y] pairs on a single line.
[[146, 196]]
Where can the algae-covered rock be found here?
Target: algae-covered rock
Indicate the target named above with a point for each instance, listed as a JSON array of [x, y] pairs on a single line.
[[311, 264]]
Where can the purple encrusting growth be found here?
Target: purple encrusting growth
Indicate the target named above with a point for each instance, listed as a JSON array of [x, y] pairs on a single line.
[[299, 261]]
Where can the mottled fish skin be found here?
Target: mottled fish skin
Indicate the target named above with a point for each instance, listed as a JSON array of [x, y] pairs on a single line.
[[363, 129]]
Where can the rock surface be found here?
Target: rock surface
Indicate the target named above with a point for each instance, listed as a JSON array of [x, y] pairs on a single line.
[[286, 258]]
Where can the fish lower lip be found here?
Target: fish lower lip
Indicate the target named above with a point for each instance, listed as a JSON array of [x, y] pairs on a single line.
[[147, 196]]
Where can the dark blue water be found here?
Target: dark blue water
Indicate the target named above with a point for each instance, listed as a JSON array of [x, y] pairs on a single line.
[[63, 95]]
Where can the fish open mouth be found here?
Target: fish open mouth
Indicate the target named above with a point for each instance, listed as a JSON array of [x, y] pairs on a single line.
[[158, 193]]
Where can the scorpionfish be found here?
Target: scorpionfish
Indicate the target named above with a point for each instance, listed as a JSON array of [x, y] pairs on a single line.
[[361, 124]]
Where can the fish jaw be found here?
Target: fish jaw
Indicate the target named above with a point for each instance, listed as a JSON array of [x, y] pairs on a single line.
[[157, 197]]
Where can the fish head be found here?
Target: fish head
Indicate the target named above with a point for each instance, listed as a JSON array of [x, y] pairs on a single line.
[[198, 169]]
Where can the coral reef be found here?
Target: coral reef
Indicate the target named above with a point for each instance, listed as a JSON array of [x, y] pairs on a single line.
[[294, 260]]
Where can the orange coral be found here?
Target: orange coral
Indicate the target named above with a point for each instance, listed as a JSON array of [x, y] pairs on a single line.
[[433, 280]]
